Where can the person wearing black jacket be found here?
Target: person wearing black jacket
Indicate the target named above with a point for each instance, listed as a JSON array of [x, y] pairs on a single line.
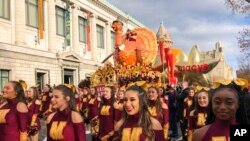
[[172, 104], [180, 108]]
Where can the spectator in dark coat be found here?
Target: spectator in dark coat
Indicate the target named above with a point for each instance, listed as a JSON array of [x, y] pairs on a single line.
[[172, 104], [180, 108]]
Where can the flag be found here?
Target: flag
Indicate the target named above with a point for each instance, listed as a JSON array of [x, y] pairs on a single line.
[[40, 19]]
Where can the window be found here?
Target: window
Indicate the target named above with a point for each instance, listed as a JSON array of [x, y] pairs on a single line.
[[112, 41], [31, 7], [68, 76], [82, 30], [100, 36], [4, 78], [5, 9], [60, 21], [40, 76]]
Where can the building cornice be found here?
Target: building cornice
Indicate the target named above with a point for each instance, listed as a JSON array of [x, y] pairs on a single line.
[[105, 5], [26, 50]]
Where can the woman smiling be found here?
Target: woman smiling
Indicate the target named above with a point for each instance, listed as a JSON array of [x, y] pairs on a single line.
[[13, 113], [65, 124], [137, 124]]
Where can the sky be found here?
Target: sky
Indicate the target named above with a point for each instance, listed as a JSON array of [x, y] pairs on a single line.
[[190, 22]]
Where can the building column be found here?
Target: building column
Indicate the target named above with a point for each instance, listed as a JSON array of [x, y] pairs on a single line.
[[75, 30], [108, 38], [45, 20], [93, 38], [20, 22], [51, 26]]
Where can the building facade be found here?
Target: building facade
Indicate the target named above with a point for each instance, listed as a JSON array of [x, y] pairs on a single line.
[[222, 70], [64, 45]]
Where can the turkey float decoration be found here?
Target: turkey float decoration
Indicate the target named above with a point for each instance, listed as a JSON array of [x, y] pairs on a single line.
[[139, 60], [138, 46], [134, 53]]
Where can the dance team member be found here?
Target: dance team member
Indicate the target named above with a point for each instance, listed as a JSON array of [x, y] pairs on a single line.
[[13, 113], [106, 114], [118, 105], [158, 109], [65, 124], [137, 124], [226, 108], [34, 104], [197, 117]]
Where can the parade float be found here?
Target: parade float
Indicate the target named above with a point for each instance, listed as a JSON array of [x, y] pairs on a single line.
[[139, 58]]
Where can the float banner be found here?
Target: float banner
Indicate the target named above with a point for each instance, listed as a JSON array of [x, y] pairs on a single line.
[[100, 90]]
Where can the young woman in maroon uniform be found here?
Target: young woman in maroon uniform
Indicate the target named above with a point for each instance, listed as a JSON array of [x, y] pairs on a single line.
[[46, 98], [78, 100], [106, 114], [65, 124], [118, 105], [197, 117], [227, 108], [33, 106], [137, 124], [162, 93], [84, 94], [188, 103], [13, 113], [93, 111], [158, 109]]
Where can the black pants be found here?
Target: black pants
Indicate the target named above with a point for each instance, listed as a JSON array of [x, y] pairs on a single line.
[[183, 125], [173, 123]]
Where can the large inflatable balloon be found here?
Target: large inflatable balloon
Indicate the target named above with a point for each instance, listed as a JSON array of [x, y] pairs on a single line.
[[191, 68]]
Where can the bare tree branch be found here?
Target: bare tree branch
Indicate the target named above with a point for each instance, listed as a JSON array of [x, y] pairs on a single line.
[[241, 6]]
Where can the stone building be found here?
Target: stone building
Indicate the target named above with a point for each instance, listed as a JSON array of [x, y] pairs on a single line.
[[222, 70], [68, 51]]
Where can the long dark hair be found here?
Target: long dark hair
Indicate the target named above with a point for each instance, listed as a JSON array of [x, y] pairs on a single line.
[[158, 103], [67, 92], [50, 89], [241, 117], [112, 99], [96, 94], [196, 103], [20, 91], [145, 121], [35, 92]]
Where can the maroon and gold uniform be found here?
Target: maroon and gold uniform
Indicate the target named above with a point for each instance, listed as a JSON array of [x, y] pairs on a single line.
[[46, 106], [84, 106], [188, 102], [106, 120], [131, 131], [13, 124], [219, 131], [162, 118], [118, 110], [32, 114], [93, 113], [196, 120], [93, 108], [61, 128]]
